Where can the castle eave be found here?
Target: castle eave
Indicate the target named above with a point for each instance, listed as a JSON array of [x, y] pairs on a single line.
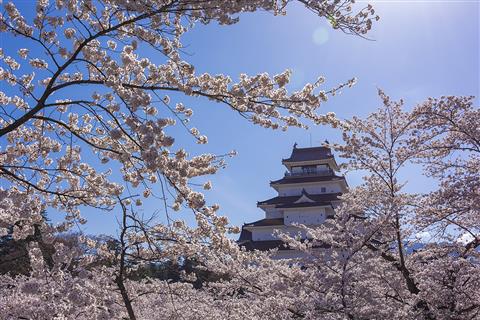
[[304, 205], [318, 198], [312, 179], [309, 154], [264, 245], [265, 222]]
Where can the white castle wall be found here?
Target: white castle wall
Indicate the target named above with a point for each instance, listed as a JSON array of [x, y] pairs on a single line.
[[320, 168], [266, 233], [272, 213], [289, 254], [312, 216], [294, 190]]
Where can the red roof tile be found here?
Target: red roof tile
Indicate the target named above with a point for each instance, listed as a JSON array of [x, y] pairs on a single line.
[[263, 245], [324, 197], [309, 154], [265, 222], [271, 244], [300, 179]]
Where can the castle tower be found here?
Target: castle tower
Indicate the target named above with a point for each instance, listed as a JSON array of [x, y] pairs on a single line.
[[307, 194]]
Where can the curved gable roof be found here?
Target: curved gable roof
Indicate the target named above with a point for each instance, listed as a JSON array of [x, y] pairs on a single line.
[[309, 154]]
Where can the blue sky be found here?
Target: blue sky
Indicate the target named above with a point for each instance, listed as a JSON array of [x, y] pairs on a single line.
[[420, 49]]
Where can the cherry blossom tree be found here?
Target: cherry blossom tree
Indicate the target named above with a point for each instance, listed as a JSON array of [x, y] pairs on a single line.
[[451, 153], [369, 262], [82, 97]]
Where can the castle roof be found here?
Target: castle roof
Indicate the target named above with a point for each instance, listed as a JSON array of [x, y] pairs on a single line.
[[264, 245], [289, 200], [303, 179], [265, 222], [309, 154], [304, 205]]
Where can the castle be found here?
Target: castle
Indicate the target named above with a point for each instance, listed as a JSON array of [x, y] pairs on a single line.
[[307, 194]]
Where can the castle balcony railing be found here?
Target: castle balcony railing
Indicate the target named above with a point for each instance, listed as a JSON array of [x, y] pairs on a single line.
[[328, 172]]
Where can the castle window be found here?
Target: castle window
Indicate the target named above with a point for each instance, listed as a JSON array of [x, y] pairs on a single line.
[[309, 169], [323, 189]]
